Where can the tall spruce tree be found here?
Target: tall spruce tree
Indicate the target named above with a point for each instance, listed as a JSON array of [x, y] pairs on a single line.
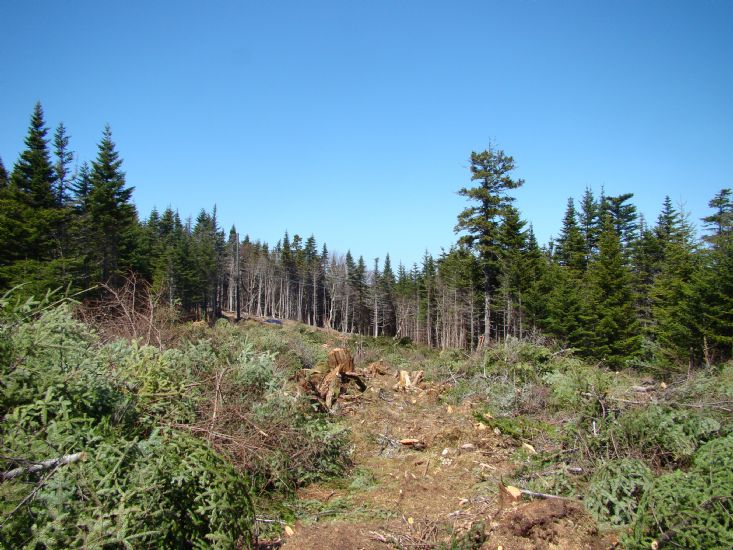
[[491, 169], [712, 285], [113, 219], [567, 312], [570, 250], [721, 222], [28, 219], [616, 330], [64, 158], [589, 222], [672, 309], [623, 217], [29, 216], [33, 174]]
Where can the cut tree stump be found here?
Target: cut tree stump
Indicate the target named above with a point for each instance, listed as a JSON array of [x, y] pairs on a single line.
[[325, 383]]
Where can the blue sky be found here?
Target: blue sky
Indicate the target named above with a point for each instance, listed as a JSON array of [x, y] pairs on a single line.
[[354, 120]]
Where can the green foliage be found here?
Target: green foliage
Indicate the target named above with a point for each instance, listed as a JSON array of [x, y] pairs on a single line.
[[615, 489], [521, 428], [616, 337], [112, 216], [579, 387], [520, 361], [473, 539], [168, 490], [664, 434], [139, 484], [690, 509]]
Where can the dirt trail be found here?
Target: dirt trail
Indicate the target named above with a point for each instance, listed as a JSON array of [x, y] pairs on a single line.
[[418, 496]]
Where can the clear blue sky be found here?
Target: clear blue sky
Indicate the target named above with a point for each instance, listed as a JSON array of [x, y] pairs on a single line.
[[354, 120]]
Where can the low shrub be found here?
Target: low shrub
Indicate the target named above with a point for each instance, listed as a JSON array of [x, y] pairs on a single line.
[[615, 489], [662, 434], [140, 484], [691, 509]]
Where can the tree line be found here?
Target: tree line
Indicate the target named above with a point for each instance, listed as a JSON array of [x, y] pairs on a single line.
[[613, 286]]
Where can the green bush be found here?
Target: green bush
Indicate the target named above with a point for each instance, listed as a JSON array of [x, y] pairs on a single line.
[[579, 388], [140, 485], [690, 509], [169, 490], [663, 434], [518, 360], [615, 489]]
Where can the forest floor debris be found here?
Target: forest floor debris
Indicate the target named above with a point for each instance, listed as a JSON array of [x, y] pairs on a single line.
[[434, 473]]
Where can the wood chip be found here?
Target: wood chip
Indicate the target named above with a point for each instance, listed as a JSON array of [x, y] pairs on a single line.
[[289, 531]]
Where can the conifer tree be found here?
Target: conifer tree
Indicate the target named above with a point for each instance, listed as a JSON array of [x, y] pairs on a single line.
[[113, 218], [647, 254], [387, 284], [672, 309], [536, 265], [511, 240], [568, 313], [491, 169], [28, 219], [623, 216], [712, 285], [33, 174], [64, 157], [721, 222], [3, 175], [571, 247], [589, 222], [667, 222], [616, 331]]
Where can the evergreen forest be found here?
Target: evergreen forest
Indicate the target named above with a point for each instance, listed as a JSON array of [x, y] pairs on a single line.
[[150, 366]]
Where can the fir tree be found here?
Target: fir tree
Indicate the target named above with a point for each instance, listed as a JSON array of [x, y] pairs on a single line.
[[647, 255], [28, 220], [667, 223], [711, 289]]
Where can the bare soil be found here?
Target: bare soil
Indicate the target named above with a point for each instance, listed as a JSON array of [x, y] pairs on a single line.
[[422, 494]]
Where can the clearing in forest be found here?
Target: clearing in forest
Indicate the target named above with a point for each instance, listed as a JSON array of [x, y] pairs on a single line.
[[426, 474]]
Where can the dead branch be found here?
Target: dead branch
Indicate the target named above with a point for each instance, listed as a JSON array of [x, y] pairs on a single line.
[[44, 465], [533, 494]]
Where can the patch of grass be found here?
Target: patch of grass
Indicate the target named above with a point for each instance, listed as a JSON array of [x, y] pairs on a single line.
[[362, 480], [521, 428]]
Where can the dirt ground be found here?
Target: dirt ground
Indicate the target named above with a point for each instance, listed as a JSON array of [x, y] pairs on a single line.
[[440, 486]]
